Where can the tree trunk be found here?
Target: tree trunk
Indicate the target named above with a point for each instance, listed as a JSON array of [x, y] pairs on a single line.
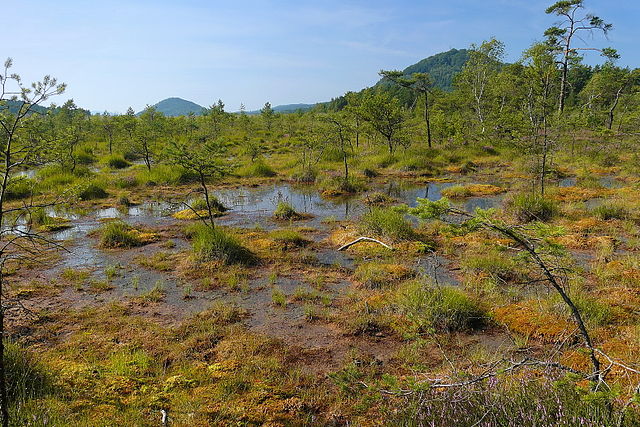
[[426, 117]]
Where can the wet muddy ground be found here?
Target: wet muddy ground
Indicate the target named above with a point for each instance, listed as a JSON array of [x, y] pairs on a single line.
[[249, 207]]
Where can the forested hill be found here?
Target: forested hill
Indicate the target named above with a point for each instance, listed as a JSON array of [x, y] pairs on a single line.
[[14, 106], [441, 67], [177, 107]]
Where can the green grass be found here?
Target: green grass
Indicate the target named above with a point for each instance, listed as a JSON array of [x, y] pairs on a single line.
[[338, 186], [387, 222], [155, 294], [376, 275], [19, 188], [529, 207], [284, 211], [26, 377], [116, 161], [444, 309], [257, 169], [457, 192], [216, 244], [201, 204], [278, 297], [91, 191], [165, 175], [611, 210], [118, 234]]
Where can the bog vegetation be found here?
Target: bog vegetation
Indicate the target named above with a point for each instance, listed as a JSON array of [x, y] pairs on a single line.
[[145, 279]]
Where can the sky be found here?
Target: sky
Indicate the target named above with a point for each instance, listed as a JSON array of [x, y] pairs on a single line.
[[116, 54]]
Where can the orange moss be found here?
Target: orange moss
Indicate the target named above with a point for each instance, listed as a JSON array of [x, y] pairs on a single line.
[[577, 194], [525, 320]]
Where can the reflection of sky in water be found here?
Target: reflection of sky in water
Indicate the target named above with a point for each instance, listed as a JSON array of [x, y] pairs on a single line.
[[604, 181], [250, 206]]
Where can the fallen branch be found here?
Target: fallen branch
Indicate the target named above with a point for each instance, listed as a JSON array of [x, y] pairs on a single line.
[[363, 239]]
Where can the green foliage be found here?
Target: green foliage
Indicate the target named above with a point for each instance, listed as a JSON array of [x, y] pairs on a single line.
[[387, 222], [595, 313], [278, 297], [215, 244], [611, 210], [118, 234], [201, 204], [427, 209], [457, 191], [19, 188], [116, 161], [493, 262], [91, 191], [338, 186], [26, 377], [529, 207], [257, 169], [166, 175], [438, 308], [284, 211]]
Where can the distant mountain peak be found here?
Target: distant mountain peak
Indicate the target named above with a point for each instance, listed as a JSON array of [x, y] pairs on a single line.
[[175, 106]]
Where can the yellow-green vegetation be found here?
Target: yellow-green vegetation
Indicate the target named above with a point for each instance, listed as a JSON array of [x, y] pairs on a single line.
[[389, 223], [217, 244], [491, 306], [118, 234], [284, 211], [289, 238], [529, 207]]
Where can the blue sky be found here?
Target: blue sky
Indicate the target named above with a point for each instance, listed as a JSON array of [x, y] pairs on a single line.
[[115, 54]]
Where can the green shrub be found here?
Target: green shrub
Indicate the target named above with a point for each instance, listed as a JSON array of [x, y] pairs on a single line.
[[91, 191], [338, 186], [306, 175], [257, 169], [439, 308], [26, 377], [116, 161], [201, 204], [284, 211], [383, 160], [216, 244], [378, 199], [387, 222], [53, 176], [84, 156], [19, 188], [493, 262], [370, 172], [457, 192], [127, 182], [529, 207], [611, 210], [124, 201], [118, 234]]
